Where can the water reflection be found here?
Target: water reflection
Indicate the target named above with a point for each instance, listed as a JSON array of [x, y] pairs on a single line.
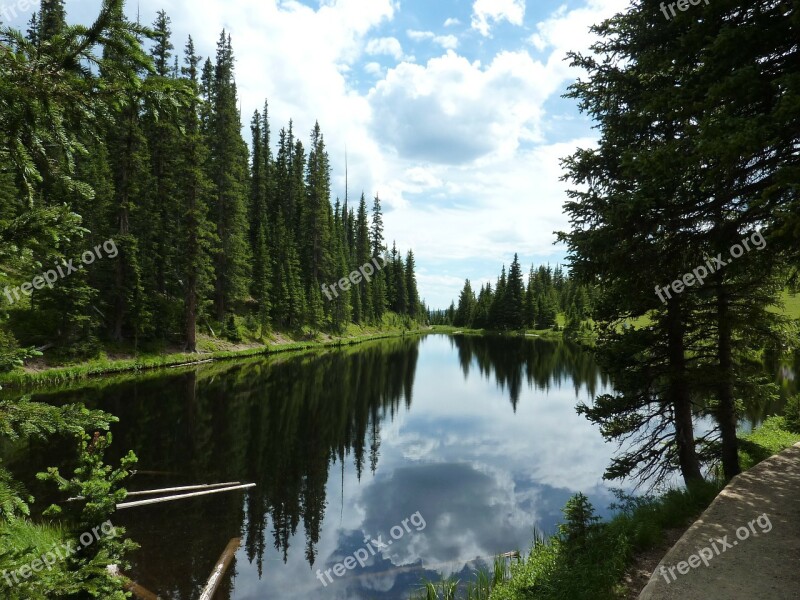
[[346, 444], [514, 361]]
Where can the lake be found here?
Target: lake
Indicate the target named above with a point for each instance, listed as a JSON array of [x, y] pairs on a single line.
[[418, 457]]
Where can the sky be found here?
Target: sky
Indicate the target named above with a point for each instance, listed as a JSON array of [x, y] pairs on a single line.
[[451, 111]]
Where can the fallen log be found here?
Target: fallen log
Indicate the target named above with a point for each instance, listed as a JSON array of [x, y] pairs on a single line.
[[131, 586], [184, 488], [220, 568], [122, 505]]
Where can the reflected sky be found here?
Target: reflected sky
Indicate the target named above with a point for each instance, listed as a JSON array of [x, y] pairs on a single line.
[[482, 475], [479, 435]]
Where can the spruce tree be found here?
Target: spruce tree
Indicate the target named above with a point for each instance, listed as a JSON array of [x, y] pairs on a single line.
[[362, 257], [259, 248], [228, 173], [379, 291], [196, 231], [52, 19], [412, 308], [515, 290]]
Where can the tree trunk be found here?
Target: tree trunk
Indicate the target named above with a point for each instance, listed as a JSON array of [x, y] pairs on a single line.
[[680, 397], [726, 409]]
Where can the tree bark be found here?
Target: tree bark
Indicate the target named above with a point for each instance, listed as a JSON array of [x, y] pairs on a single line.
[[726, 408], [680, 396]]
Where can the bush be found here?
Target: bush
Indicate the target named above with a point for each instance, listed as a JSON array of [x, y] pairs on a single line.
[[792, 413]]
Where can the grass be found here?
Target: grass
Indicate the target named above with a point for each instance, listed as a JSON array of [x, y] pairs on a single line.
[[480, 589], [772, 437], [791, 305], [592, 567], [587, 559], [144, 362], [557, 568], [543, 333]]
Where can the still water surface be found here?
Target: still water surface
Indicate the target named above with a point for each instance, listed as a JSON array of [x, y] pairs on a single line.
[[476, 437]]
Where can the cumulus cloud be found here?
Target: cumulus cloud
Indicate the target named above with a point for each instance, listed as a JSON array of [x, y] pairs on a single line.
[[452, 141], [453, 111], [487, 12], [374, 68], [569, 30], [388, 46], [448, 42]]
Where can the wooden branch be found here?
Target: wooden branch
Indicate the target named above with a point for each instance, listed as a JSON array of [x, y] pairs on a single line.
[[182, 496], [220, 568], [131, 586], [185, 488]]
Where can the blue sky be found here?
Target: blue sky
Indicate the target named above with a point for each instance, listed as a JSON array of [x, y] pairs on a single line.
[[450, 110]]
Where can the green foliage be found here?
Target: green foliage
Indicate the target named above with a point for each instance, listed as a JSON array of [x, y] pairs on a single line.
[[792, 413], [11, 355], [513, 306], [772, 437], [85, 527], [580, 523], [21, 541], [479, 589], [13, 499], [21, 419], [587, 559], [152, 156]]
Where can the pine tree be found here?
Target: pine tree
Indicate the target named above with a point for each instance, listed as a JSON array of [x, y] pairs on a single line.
[[497, 312], [317, 213], [399, 283], [467, 304], [364, 256], [196, 231], [130, 158], [159, 254], [228, 172], [379, 291], [531, 313], [52, 19], [259, 248], [412, 308], [514, 295]]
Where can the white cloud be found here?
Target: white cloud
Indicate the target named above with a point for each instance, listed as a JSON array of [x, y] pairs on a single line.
[[301, 59], [374, 68], [461, 111], [486, 12], [420, 35], [448, 42], [388, 46], [455, 147], [569, 30], [452, 22]]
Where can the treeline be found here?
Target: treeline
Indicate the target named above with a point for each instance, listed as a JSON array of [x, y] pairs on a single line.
[[147, 151], [512, 304], [685, 216]]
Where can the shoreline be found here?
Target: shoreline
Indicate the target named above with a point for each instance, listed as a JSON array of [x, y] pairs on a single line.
[[56, 374], [53, 375]]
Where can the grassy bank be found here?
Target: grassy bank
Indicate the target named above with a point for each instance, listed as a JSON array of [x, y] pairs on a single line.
[[48, 374], [588, 559], [548, 334]]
